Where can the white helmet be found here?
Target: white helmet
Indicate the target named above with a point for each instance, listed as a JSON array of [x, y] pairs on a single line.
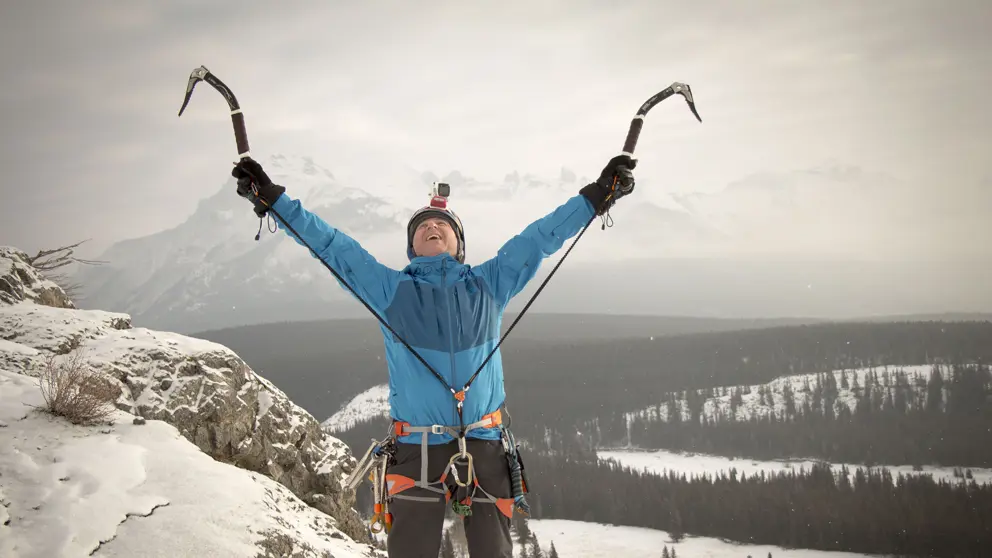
[[438, 207]]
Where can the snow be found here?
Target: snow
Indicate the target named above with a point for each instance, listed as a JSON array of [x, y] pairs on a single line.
[[370, 403], [16, 348], [579, 539], [694, 464], [45, 327], [134, 490], [264, 404]]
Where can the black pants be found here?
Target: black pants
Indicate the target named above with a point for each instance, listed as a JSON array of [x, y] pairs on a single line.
[[417, 526]]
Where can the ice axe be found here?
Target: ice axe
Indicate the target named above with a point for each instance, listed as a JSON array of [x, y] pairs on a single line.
[[638, 121], [237, 117]]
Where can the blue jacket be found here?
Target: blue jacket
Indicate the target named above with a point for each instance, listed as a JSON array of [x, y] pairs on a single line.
[[451, 313]]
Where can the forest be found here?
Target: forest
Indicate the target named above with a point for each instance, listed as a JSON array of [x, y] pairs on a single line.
[[945, 419], [863, 510]]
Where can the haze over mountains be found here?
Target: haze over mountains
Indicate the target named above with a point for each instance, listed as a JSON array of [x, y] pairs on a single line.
[[829, 243]]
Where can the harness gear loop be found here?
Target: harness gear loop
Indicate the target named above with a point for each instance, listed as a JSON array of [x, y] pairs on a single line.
[[382, 519]]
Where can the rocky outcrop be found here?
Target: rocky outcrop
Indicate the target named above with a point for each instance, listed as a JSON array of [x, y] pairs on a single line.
[[19, 281], [205, 390]]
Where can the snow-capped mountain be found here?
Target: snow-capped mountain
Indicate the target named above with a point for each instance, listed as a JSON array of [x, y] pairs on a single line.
[[209, 272]]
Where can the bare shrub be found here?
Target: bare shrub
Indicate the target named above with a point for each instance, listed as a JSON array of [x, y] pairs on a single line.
[[73, 391], [49, 262]]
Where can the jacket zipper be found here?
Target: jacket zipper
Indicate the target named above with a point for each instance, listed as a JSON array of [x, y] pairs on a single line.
[[451, 338]]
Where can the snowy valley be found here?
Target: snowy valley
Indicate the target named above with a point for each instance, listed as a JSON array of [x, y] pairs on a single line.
[[730, 490]]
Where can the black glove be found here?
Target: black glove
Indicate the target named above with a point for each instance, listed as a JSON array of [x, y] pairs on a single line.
[[255, 185], [616, 179]]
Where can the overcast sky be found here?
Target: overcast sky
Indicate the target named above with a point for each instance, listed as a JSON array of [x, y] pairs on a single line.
[[92, 146]]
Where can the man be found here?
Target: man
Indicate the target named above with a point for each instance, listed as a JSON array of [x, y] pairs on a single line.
[[450, 314]]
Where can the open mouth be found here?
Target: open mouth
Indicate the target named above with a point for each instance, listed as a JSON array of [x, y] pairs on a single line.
[[434, 236]]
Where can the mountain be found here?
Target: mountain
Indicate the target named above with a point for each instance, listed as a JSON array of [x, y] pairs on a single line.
[[827, 242], [208, 272]]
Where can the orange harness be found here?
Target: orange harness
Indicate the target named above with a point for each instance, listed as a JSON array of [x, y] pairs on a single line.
[[387, 486]]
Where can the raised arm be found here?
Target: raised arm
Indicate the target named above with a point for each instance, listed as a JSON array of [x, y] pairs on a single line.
[[517, 261], [373, 281]]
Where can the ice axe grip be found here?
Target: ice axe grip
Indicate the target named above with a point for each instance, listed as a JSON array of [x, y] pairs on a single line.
[[630, 142], [632, 134], [240, 134]]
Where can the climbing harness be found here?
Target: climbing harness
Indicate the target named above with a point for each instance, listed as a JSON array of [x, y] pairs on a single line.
[[465, 490], [469, 485], [379, 454]]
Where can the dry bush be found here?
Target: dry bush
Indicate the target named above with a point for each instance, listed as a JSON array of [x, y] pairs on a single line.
[[73, 391], [48, 262]]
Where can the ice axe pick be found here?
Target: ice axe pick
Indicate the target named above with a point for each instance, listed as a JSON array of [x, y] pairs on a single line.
[[237, 117]]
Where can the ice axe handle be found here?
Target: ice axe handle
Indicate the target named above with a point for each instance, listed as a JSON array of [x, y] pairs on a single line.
[[240, 133], [632, 134]]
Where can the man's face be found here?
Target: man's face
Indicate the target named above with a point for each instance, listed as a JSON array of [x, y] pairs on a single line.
[[434, 236]]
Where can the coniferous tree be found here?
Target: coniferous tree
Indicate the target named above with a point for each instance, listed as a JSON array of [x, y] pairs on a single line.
[[935, 391], [535, 547], [523, 530]]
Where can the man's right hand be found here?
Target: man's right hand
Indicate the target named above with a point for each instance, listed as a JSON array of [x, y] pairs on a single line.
[[255, 185], [615, 182]]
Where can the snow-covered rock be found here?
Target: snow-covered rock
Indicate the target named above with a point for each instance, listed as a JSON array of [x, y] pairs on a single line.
[[19, 281], [202, 389], [123, 489]]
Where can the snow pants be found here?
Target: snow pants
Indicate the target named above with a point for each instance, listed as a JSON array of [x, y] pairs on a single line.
[[418, 525]]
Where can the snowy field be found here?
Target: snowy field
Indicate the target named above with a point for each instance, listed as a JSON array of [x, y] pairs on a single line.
[[694, 464], [578, 539]]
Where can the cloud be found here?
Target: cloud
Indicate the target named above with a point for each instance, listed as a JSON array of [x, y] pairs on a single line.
[[92, 90]]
